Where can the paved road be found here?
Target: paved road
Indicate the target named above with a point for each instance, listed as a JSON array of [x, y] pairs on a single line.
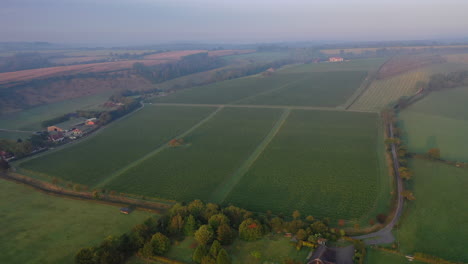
[[384, 235], [292, 107]]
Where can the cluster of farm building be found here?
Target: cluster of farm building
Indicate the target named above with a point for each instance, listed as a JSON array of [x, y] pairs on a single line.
[[71, 129]]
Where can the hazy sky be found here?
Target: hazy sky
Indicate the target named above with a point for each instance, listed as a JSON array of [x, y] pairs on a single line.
[[162, 21]]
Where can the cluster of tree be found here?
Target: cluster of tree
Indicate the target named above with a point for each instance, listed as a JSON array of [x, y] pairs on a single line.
[[359, 252], [405, 173], [4, 165], [20, 148], [24, 61], [445, 81], [212, 226], [251, 69], [129, 105], [131, 56], [187, 65]]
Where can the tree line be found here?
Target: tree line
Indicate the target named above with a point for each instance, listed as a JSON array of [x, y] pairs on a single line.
[[445, 81], [24, 61], [187, 65], [212, 226]]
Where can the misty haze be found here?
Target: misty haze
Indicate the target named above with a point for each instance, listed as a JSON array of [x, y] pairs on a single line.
[[233, 132]]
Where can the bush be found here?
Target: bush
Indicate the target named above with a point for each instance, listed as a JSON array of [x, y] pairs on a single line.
[[204, 234], [381, 218], [250, 230]]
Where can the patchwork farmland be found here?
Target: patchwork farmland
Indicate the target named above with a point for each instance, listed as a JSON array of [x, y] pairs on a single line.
[[227, 143], [118, 145], [314, 161], [301, 85]]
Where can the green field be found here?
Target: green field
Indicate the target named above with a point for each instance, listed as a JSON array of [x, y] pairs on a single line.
[[323, 84], [375, 256], [211, 155], [435, 223], [30, 119], [39, 228], [324, 89], [118, 145], [439, 120], [321, 163], [14, 135], [228, 91]]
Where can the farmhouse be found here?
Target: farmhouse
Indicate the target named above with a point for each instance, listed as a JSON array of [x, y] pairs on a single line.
[[91, 121], [54, 128], [67, 125], [56, 136], [335, 59]]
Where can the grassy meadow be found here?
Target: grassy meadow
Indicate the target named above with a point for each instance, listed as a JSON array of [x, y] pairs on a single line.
[[320, 163], [121, 143], [435, 223], [210, 155], [438, 121], [39, 228], [375, 256]]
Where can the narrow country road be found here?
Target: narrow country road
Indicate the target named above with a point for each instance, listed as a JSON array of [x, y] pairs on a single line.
[[384, 235]]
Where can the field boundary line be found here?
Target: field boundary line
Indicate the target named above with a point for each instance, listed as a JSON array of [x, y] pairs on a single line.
[[164, 146], [291, 107], [223, 190], [366, 83]]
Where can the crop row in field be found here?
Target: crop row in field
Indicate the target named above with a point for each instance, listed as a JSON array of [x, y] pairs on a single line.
[[321, 163], [208, 157], [435, 223], [383, 92], [439, 120], [324, 89], [120, 144], [229, 91], [324, 163], [39, 228], [325, 84]]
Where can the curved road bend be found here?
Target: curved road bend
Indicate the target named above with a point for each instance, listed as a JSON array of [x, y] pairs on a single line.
[[384, 235]]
